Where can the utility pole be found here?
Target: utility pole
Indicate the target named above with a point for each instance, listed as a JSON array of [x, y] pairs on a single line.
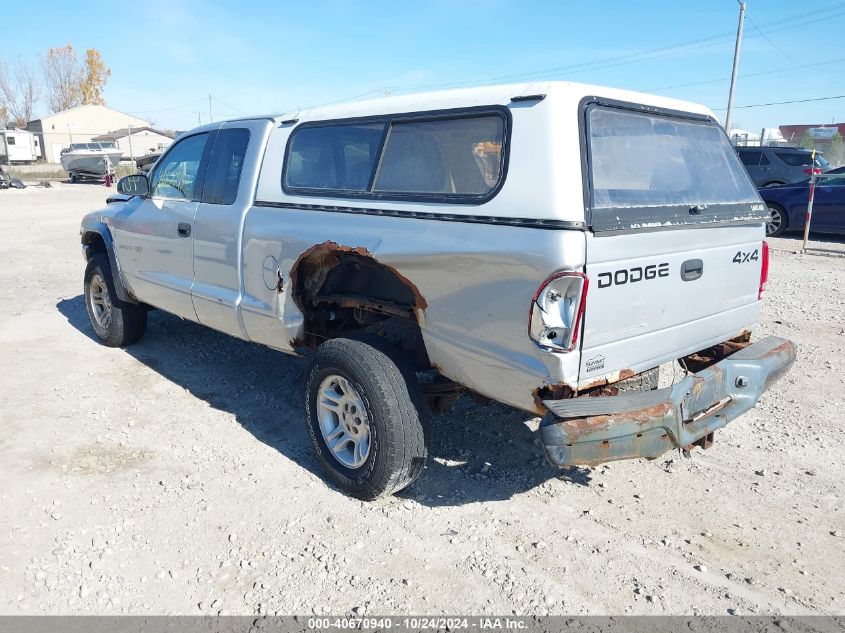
[[729, 116], [131, 153], [210, 118]]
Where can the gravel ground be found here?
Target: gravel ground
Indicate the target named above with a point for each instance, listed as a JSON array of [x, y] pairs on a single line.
[[176, 476]]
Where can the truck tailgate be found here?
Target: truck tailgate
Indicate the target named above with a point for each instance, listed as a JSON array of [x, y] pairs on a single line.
[[657, 295]]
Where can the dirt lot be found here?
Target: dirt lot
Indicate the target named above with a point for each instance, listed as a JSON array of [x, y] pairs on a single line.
[[176, 476]]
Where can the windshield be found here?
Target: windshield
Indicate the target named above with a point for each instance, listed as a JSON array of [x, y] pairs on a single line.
[[650, 170]]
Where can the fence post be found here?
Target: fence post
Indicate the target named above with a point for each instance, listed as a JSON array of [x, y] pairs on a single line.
[[810, 203]]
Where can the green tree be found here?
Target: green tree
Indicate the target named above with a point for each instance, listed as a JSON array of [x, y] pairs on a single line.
[[834, 150], [807, 140]]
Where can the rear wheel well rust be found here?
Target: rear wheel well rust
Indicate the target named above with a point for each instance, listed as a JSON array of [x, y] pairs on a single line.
[[344, 290]]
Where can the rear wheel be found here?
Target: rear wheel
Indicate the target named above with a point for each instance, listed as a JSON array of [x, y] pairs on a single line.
[[116, 323], [778, 221], [363, 411]]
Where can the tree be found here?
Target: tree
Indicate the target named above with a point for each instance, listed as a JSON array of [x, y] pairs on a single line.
[[63, 76], [834, 150], [807, 140], [96, 76], [18, 92]]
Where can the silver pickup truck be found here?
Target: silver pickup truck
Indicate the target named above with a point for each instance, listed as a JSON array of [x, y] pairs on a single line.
[[547, 245]]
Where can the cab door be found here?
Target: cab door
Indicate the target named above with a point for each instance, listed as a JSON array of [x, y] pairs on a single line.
[[829, 203], [227, 196], [154, 234]]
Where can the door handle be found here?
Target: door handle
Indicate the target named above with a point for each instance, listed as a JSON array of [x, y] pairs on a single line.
[[184, 229], [692, 269]]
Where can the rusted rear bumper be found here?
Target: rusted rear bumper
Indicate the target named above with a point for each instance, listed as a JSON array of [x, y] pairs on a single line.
[[607, 428]]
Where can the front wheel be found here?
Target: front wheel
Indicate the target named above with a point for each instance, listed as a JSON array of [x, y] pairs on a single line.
[[116, 323], [363, 411], [777, 221]]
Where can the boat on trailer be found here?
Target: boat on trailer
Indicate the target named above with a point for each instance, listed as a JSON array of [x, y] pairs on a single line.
[[90, 160]]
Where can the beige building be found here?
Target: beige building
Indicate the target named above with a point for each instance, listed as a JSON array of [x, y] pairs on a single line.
[[78, 125], [134, 142]]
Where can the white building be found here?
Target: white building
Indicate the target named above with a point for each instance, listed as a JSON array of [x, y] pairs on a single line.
[[134, 142], [78, 125]]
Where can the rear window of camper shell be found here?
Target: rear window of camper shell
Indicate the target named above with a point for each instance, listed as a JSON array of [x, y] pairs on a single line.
[[452, 156]]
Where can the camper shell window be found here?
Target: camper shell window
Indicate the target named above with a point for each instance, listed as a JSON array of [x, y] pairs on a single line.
[[651, 169], [457, 156]]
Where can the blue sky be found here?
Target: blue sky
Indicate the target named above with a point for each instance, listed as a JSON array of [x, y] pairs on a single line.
[[258, 57]]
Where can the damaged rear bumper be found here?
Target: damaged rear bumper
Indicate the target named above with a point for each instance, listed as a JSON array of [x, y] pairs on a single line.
[[601, 429]]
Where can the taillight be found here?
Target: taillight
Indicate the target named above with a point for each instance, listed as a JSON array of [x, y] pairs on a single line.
[[556, 311], [816, 171], [764, 270]]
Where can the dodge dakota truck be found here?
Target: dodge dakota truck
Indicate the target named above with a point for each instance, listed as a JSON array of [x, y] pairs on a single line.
[[545, 245]]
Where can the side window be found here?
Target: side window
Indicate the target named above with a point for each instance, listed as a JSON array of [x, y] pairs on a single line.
[[224, 166], [751, 158], [458, 157], [451, 156], [10, 140], [796, 159], [336, 157], [176, 175]]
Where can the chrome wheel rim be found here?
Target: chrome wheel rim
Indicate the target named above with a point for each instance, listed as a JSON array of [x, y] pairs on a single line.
[[99, 300], [775, 221], [343, 421]]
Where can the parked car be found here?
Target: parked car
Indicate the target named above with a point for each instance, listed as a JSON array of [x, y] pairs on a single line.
[[788, 205], [420, 245], [780, 165]]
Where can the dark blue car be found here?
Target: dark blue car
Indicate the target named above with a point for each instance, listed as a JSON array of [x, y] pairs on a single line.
[[788, 205]]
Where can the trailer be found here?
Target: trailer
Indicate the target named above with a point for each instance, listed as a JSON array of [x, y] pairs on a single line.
[[21, 146]]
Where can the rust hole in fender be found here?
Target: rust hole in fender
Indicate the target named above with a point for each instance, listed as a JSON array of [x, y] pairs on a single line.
[[344, 290]]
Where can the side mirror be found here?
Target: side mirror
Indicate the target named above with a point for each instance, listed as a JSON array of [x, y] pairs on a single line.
[[134, 185]]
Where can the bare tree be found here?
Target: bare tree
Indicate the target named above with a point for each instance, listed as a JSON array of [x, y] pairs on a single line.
[[64, 76], [18, 92]]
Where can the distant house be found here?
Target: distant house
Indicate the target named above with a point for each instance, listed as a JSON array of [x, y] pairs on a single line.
[[78, 125], [138, 141]]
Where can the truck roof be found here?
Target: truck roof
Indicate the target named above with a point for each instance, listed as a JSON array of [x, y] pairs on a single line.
[[559, 91], [562, 92]]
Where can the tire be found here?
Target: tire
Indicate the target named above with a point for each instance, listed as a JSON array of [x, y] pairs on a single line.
[[360, 395], [779, 222], [116, 323], [644, 381]]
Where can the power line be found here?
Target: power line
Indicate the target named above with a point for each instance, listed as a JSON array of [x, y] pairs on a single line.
[[748, 75], [228, 105], [655, 53], [774, 103], [771, 43]]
